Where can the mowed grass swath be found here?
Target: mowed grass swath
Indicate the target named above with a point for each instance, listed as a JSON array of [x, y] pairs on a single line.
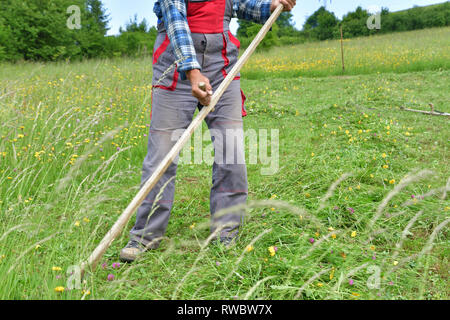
[[358, 210]]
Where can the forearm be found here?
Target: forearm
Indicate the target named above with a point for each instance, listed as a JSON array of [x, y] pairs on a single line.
[[174, 16], [254, 10]]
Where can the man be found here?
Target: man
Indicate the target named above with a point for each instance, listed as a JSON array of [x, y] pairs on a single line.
[[194, 39]]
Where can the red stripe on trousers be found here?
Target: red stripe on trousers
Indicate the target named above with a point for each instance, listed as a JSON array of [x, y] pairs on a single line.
[[234, 40], [226, 64], [158, 52], [173, 86]]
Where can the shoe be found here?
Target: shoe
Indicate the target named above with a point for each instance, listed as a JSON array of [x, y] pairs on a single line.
[[228, 239], [131, 251]]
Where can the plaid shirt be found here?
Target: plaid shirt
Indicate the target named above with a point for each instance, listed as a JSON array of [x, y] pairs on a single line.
[[173, 13]]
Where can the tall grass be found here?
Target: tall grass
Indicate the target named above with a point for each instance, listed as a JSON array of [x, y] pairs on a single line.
[[397, 52]]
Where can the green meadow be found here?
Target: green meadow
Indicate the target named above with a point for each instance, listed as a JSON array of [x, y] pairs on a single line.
[[420, 50], [358, 208]]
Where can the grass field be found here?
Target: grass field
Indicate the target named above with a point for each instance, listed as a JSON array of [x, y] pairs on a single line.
[[421, 50], [73, 138]]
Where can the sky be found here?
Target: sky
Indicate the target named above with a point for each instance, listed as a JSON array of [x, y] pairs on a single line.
[[122, 10]]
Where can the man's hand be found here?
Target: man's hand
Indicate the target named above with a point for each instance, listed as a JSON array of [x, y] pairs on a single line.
[[288, 4], [195, 77]]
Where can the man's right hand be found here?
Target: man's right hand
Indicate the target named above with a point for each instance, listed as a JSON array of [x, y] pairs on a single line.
[[196, 77], [288, 4]]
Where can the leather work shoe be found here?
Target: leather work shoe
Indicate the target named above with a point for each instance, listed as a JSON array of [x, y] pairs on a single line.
[[225, 240], [133, 249], [228, 241]]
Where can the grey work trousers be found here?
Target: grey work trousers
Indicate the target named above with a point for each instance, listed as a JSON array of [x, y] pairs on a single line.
[[172, 110]]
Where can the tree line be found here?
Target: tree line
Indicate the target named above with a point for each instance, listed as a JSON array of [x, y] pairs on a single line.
[[37, 29], [324, 25]]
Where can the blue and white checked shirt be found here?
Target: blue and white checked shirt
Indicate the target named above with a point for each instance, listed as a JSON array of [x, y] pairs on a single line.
[[173, 13]]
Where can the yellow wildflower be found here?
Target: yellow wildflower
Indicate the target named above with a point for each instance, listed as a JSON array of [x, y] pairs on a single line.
[[272, 251]]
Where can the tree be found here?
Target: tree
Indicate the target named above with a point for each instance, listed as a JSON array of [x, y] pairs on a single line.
[[313, 20], [285, 24], [354, 24], [91, 37], [97, 13], [135, 39], [269, 41], [322, 24], [7, 49], [244, 25], [37, 30], [134, 26], [327, 25]]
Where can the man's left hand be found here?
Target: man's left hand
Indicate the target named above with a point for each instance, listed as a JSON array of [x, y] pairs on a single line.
[[288, 4]]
